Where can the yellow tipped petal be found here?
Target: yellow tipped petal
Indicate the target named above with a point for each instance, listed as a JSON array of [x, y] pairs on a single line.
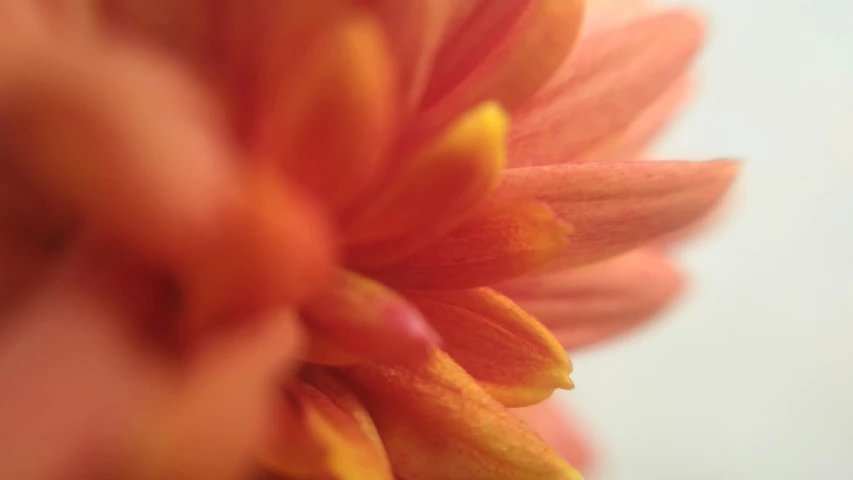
[[329, 436], [366, 320], [433, 191], [438, 424], [502, 241], [329, 122], [514, 357]]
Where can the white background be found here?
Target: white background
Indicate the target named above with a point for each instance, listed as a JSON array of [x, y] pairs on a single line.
[[751, 375]]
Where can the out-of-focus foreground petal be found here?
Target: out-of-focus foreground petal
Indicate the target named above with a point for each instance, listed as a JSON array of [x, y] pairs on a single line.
[[561, 431]]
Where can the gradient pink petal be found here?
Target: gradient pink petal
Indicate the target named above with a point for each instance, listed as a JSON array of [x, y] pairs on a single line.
[[561, 431]]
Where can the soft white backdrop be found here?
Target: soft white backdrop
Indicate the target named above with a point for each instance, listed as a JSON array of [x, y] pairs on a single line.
[[751, 375]]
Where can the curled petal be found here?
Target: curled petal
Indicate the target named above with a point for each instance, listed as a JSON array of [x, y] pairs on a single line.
[[501, 50], [328, 118], [433, 192], [500, 242], [326, 433], [624, 290], [615, 207], [515, 359], [367, 321], [437, 423], [610, 81]]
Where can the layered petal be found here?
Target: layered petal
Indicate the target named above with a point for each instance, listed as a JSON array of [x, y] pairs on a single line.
[[433, 192], [362, 319], [502, 240], [615, 207], [561, 430], [625, 290], [438, 424], [604, 87], [503, 51], [328, 118], [326, 434], [514, 357]]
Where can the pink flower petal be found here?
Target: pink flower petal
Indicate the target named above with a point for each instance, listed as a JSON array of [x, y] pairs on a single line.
[[624, 290], [615, 207], [604, 88], [560, 430]]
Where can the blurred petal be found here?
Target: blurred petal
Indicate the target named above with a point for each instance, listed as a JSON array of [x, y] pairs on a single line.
[[560, 430], [476, 324], [333, 420], [626, 289], [437, 423], [328, 118], [368, 321], [615, 207], [503, 51], [603, 14], [501, 241], [608, 83], [433, 192]]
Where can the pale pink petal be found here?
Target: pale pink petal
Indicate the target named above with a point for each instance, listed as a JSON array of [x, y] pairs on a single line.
[[603, 14], [623, 290], [605, 86], [561, 431], [618, 206]]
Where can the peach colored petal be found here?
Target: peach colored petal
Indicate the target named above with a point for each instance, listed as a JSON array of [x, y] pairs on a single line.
[[501, 241], [626, 289], [476, 324], [503, 51], [604, 87], [367, 321], [437, 423], [605, 14], [561, 431], [433, 192], [637, 138], [617, 206], [328, 118]]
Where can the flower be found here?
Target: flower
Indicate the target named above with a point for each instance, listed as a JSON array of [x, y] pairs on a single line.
[[394, 117]]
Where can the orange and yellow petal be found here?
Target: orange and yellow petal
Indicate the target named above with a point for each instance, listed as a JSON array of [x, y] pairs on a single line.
[[503, 240], [326, 434], [609, 82], [437, 423], [614, 207], [432, 192], [361, 319], [513, 357]]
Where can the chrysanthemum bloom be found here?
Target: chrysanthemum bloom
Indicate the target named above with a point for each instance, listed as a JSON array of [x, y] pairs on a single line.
[[395, 117]]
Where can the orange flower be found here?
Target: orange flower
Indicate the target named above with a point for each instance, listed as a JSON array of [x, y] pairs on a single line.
[[395, 117]]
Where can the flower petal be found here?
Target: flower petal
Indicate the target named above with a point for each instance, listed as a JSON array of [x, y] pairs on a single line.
[[514, 357], [433, 192], [501, 241], [615, 207], [560, 430], [607, 84], [331, 436], [626, 289], [437, 424], [327, 118], [368, 321], [502, 50]]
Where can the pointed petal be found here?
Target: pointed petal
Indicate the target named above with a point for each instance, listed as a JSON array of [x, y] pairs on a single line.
[[500, 242], [503, 51], [328, 117], [437, 423], [624, 290], [561, 431], [328, 435], [609, 82], [615, 207], [368, 321], [513, 356], [435, 190]]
